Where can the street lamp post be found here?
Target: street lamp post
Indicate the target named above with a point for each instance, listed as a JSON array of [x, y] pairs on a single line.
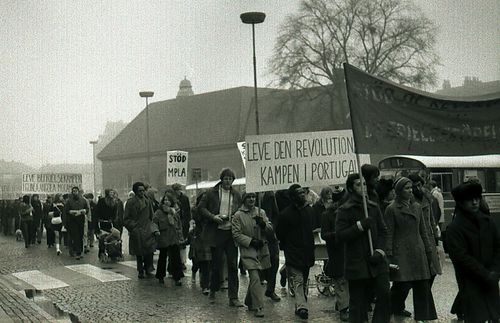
[[93, 143], [147, 94], [254, 18]]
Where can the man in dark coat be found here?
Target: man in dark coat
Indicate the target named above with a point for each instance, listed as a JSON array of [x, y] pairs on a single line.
[[364, 270], [75, 210], [218, 206], [474, 247], [295, 233], [138, 221]]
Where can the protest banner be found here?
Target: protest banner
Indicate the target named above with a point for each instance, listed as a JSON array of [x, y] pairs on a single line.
[[177, 165], [50, 183], [321, 158], [391, 119], [241, 147]]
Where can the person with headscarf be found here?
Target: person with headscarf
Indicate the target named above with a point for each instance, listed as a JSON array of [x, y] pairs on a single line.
[[250, 228], [408, 247], [295, 233], [474, 248], [366, 265]]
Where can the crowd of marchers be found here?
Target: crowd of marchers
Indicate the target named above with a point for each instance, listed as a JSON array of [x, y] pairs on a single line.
[[383, 239]]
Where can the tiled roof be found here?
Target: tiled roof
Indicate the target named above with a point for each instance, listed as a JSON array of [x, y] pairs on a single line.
[[202, 120]]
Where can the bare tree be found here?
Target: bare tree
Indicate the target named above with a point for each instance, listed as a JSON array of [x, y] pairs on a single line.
[[388, 38]]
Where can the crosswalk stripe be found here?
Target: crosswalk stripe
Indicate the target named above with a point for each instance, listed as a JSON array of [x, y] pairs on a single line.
[[129, 263], [97, 273], [39, 280]]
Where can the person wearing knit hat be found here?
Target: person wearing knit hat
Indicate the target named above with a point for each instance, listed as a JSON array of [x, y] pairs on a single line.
[[473, 244], [295, 233], [408, 247], [366, 270], [217, 207], [250, 229]]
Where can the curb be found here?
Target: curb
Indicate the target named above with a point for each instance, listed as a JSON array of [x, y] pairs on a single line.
[[13, 297]]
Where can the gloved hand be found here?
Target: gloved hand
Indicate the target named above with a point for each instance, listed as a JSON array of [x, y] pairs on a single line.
[[256, 244], [494, 276], [260, 222], [366, 223], [376, 258]]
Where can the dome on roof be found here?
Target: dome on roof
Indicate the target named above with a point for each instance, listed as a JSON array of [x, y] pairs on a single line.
[[185, 88]]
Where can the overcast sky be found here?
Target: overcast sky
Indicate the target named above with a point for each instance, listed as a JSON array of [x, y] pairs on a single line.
[[66, 67]]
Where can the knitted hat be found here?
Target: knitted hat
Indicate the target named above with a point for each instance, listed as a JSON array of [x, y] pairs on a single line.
[[467, 191], [400, 183]]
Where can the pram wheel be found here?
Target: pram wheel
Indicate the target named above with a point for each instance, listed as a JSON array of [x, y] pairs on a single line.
[[324, 285], [104, 257]]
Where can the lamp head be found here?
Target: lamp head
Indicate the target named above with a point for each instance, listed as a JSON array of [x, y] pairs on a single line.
[[146, 94], [93, 142], [253, 17]]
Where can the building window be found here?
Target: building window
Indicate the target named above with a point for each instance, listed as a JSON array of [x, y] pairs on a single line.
[[443, 180]]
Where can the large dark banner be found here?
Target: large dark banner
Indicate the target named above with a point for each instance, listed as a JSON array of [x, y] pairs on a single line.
[[389, 119]]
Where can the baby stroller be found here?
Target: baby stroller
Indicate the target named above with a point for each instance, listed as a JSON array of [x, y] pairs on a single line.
[[110, 245], [324, 284]]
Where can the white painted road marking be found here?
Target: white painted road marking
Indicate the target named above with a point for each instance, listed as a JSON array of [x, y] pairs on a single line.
[[97, 273], [39, 280], [129, 263]]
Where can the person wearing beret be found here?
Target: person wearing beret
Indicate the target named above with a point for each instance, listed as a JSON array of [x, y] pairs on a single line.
[[250, 228], [366, 266], [474, 248], [408, 246]]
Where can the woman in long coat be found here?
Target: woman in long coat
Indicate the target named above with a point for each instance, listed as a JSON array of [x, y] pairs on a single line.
[[168, 231], [138, 221], [408, 247], [250, 227]]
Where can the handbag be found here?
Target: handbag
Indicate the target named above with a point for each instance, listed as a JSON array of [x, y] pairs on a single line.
[[56, 220]]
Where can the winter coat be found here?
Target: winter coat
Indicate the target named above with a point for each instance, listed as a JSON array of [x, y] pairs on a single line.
[[77, 204], [185, 213], [335, 249], [104, 212], [244, 229], [26, 212], [356, 242], [170, 227], [209, 207], [319, 209], [199, 250], [407, 241], [137, 220], [37, 211], [295, 233], [474, 248], [432, 234]]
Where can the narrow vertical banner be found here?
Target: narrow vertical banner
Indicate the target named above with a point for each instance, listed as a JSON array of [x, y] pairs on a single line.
[[243, 151], [177, 165]]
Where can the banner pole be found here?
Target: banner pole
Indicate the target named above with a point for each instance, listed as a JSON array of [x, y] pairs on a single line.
[[361, 179]]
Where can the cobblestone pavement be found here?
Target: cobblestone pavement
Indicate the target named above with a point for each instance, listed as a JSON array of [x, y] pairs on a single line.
[[132, 300]]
